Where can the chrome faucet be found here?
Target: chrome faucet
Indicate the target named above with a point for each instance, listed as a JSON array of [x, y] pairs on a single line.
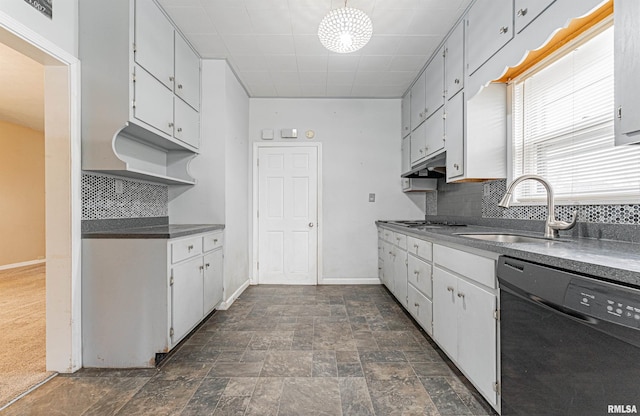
[[551, 225]]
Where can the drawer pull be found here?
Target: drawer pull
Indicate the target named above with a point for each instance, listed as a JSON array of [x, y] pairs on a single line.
[[504, 29], [201, 268], [449, 289], [522, 12], [215, 240], [190, 247], [206, 266], [416, 246], [417, 305], [461, 295]]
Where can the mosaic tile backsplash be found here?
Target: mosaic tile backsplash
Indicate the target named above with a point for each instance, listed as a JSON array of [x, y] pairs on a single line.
[[603, 214], [101, 200]]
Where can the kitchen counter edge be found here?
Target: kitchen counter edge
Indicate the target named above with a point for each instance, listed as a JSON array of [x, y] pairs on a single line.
[[605, 259], [167, 231]]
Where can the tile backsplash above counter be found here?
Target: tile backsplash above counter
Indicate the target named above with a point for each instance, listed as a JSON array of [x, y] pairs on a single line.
[[478, 204]]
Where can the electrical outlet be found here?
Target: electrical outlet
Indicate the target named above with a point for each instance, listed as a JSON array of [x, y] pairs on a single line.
[[372, 197], [119, 186]]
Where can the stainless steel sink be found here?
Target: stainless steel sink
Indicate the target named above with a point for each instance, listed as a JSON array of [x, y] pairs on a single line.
[[507, 238]]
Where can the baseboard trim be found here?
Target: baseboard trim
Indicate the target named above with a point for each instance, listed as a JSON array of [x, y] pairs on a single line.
[[22, 264], [227, 303], [356, 281]]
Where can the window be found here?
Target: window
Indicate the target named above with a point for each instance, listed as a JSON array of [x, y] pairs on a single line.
[[563, 128]]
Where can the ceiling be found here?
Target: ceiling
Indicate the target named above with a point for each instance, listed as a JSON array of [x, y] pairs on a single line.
[[22, 98], [273, 47]]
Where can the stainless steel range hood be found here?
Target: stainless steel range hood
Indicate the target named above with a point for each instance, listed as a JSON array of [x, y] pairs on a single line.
[[436, 167]]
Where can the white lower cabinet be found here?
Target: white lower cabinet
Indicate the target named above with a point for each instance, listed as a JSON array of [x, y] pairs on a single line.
[[420, 307], [141, 297], [464, 317], [400, 276]]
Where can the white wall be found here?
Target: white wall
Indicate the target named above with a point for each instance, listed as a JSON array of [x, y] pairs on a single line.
[[220, 195], [361, 155], [62, 29]]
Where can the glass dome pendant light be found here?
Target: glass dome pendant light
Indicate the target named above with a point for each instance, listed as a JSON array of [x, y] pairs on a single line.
[[345, 30]]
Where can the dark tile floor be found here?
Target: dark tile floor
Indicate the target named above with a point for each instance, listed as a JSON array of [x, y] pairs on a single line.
[[280, 350]]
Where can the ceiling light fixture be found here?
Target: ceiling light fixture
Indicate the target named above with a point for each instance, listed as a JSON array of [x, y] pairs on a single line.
[[345, 30]]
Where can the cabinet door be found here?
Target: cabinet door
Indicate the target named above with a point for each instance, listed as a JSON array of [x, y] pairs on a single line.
[[187, 81], [489, 28], [434, 84], [405, 151], [527, 10], [627, 67], [454, 136], [434, 132], [418, 140], [213, 280], [454, 61], [418, 102], [406, 115], [154, 41], [187, 124], [419, 275], [445, 321], [388, 266], [153, 102], [421, 309], [186, 297], [477, 329], [400, 276]]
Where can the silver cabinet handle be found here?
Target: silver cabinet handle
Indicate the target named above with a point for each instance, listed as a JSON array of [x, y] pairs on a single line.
[[310, 225], [456, 166], [504, 29], [171, 79], [201, 268], [179, 129], [456, 81], [461, 295], [170, 125], [206, 266], [415, 246], [215, 240], [416, 272], [449, 289], [189, 248], [416, 304], [522, 12]]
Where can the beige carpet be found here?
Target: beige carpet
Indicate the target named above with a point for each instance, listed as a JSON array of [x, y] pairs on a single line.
[[22, 330]]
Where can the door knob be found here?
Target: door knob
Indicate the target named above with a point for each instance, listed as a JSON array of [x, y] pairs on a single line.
[[311, 225]]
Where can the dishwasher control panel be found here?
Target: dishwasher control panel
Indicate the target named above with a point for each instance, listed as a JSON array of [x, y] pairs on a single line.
[[604, 301]]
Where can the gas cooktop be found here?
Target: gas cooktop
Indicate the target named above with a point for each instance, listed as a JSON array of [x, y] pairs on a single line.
[[426, 224]]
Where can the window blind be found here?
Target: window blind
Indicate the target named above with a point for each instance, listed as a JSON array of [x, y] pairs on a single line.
[[563, 130]]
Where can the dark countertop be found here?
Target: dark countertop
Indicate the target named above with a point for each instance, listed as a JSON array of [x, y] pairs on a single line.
[[612, 260], [154, 231]]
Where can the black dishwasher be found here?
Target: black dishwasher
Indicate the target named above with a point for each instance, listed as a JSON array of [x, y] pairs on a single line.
[[569, 344]]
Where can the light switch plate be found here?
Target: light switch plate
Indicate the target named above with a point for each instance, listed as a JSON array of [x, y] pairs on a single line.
[[372, 197]]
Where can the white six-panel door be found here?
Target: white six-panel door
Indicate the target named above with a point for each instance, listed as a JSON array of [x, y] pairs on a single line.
[[288, 215]]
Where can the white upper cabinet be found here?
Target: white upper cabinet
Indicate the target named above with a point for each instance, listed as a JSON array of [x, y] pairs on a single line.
[[406, 115], [489, 28], [434, 127], [418, 140], [454, 61], [406, 154], [153, 102], [627, 67], [187, 73], [154, 41], [140, 92], [527, 10], [454, 136], [418, 108], [434, 84]]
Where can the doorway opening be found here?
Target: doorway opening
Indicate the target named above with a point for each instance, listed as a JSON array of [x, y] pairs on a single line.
[[56, 297]]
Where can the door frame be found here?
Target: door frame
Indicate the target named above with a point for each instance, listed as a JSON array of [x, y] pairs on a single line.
[[254, 213], [63, 192]]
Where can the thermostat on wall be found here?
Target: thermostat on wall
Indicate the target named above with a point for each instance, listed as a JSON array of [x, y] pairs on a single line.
[[289, 133]]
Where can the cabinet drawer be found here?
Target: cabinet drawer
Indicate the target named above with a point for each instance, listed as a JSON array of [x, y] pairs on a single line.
[[400, 240], [472, 266], [185, 249], [387, 235], [420, 308], [419, 275], [420, 248], [212, 241]]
